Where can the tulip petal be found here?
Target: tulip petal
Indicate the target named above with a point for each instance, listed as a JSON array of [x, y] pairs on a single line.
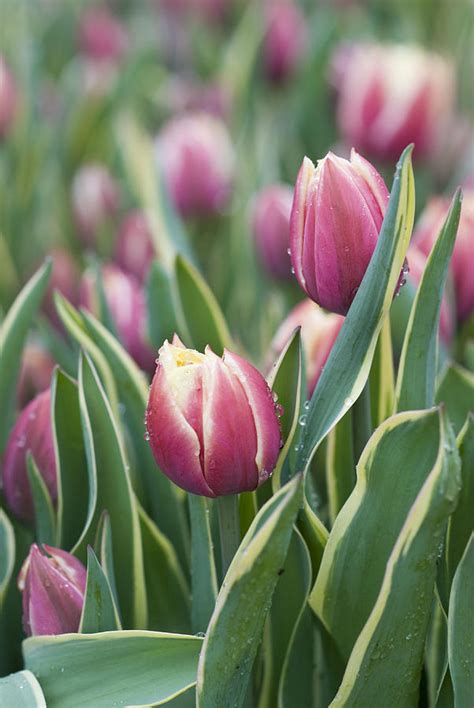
[[298, 218]]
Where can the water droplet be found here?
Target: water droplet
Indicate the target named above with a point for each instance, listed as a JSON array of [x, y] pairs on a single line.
[[303, 419], [147, 436], [289, 251], [306, 406], [348, 402], [292, 270]]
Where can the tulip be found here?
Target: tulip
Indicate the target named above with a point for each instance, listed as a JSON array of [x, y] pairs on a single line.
[[271, 227], [31, 433], [284, 39], [392, 95], [37, 366], [197, 158], [64, 279], [101, 36], [337, 213], [319, 330], [462, 260], [134, 250], [95, 199], [8, 99], [127, 306], [53, 584], [211, 422]]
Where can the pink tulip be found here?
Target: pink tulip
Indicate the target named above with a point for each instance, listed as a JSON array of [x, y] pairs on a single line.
[[8, 98], [134, 250], [284, 38], [126, 302], [53, 584], [95, 198], [197, 158], [271, 226], [337, 213], [462, 262], [211, 421], [101, 36], [392, 95], [33, 433], [319, 330], [37, 366], [64, 279]]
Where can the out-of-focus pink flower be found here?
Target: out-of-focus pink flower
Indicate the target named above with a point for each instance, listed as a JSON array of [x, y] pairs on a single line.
[[37, 366], [319, 330], [180, 95], [197, 158], [8, 98], [462, 262], [284, 38], [134, 250], [95, 198], [211, 421], [126, 302], [337, 213], [392, 95], [271, 227], [102, 37], [207, 9], [64, 279], [53, 584], [32, 432]]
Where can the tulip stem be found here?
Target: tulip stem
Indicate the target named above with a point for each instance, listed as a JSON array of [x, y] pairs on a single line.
[[229, 527], [361, 421]]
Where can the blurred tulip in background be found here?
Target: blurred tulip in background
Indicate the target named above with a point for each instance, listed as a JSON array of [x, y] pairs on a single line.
[[284, 38], [37, 366], [271, 227], [102, 37], [95, 198], [8, 98], [134, 246]]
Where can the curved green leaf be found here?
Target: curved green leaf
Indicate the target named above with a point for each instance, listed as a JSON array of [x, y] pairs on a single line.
[[161, 312], [203, 567], [340, 465], [7, 554], [99, 613], [45, 522], [382, 376], [104, 550], [461, 629], [456, 391], [21, 690]]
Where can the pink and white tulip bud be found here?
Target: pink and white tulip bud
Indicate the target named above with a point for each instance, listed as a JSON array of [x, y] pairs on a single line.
[[284, 39], [393, 95], [211, 421], [127, 305], [8, 98], [33, 433], [37, 366], [319, 330], [102, 36], [53, 584], [197, 158], [95, 199], [134, 250], [271, 227], [338, 210], [462, 261]]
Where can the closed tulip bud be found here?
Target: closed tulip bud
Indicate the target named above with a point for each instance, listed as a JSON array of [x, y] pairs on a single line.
[[8, 98], [271, 227], [101, 36], [53, 584], [37, 366], [319, 330], [127, 306], [284, 39], [33, 433], [197, 158], [134, 250], [95, 198], [211, 421], [417, 261], [65, 277], [392, 95], [462, 260], [338, 210]]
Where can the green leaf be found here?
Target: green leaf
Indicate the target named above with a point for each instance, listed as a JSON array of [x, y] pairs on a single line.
[[461, 629], [419, 358], [104, 550], [392, 469], [133, 668], [45, 522], [314, 533], [13, 333], [162, 316], [382, 377], [456, 391], [99, 613], [7, 554], [203, 567], [388, 655], [347, 368], [236, 626], [340, 465], [108, 470], [21, 690]]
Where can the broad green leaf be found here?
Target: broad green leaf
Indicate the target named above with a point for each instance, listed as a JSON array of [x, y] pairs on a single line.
[[461, 629], [315, 535], [13, 333], [75, 496], [419, 358], [236, 626], [167, 590], [108, 466], [392, 469], [340, 465], [456, 390], [436, 650], [348, 365], [45, 522], [99, 613], [382, 377], [7, 554], [133, 668], [203, 567], [161, 306], [21, 690], [104, 550], [387, 658]]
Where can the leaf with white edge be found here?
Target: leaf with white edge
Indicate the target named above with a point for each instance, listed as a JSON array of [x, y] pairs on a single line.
[[340, 465], [127, 668], [104, 551], [21, 690], [236, 626], [99, 613], [461, 629], [203, 567], [45, 522], [382, 376], [395, 632], [161, 306], [461, 523], [456, 391], [7, 554]]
